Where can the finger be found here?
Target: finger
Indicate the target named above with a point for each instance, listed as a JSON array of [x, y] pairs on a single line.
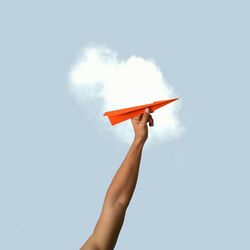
[[145, 116], [151, 121], [137, 118]]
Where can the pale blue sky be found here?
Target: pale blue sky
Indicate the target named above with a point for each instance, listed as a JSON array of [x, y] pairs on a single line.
[[55, 166]]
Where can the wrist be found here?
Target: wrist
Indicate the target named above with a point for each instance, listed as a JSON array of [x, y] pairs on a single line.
[[139, 141]]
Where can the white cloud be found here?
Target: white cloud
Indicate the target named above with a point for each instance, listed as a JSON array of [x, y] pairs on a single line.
[[103, 82]]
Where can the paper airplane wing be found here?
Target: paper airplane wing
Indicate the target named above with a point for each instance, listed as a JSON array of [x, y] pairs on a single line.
[[120, 115]]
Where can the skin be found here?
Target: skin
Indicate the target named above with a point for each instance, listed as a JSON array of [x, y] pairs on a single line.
[[120, 191]]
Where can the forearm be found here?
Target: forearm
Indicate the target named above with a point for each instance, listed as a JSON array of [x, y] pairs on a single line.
[[123, 184]]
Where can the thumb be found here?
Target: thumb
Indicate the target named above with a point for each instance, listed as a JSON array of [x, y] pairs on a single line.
[[145, 116]]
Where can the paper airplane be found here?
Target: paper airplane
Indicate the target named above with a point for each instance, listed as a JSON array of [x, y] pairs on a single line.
[[120, 115]]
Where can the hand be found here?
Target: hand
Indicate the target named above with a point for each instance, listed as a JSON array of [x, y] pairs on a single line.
[[140, 125]]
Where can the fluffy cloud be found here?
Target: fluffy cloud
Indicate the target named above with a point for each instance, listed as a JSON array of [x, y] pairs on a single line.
[[103, 82]]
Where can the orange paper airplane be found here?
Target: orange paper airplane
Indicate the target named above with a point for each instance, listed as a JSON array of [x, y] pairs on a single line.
[[120, 115]]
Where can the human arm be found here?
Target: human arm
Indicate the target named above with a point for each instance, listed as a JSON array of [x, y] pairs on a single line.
[[120, 191]]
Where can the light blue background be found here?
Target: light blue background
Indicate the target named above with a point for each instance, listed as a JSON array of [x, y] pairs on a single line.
[[55, 165]]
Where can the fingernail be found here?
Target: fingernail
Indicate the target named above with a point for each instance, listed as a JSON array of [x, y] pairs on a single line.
[[147, 110]]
